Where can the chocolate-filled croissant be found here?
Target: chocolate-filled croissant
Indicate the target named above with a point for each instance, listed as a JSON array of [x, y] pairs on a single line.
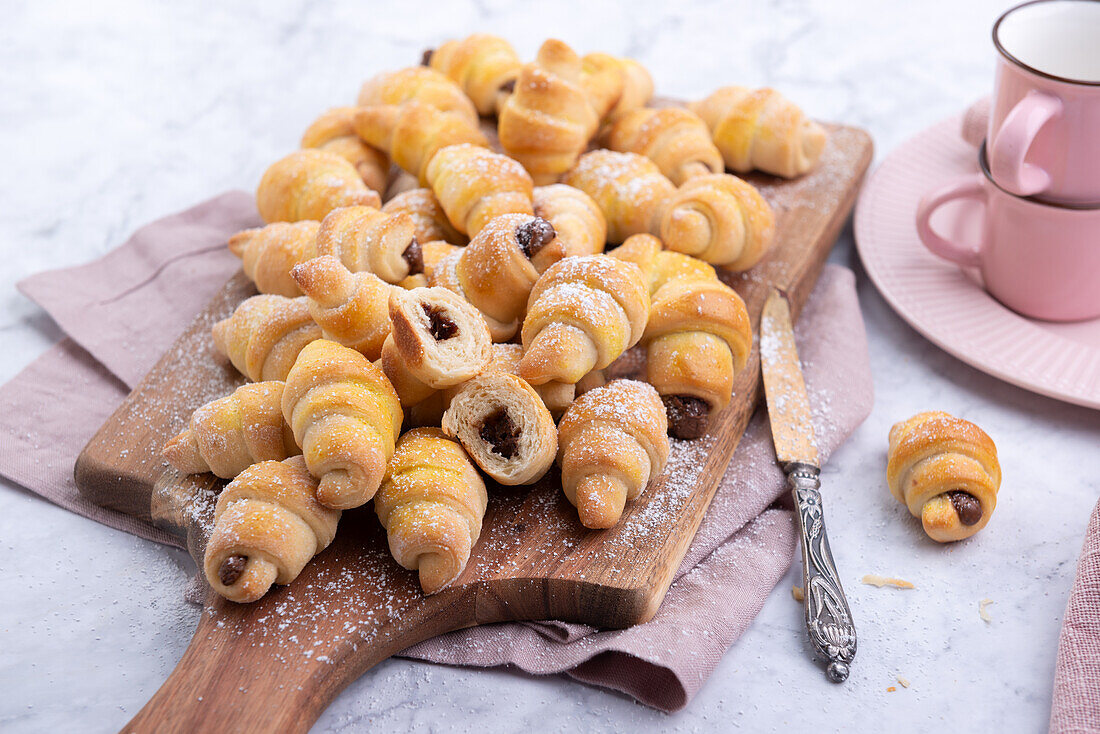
[[268, 254], [367, 240], [485, 66]]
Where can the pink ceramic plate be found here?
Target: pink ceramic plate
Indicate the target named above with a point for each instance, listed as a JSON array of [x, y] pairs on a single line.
[[949, 306]]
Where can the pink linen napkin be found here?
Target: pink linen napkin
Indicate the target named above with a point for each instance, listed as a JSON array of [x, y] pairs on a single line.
[[1076, 705], [125, 309]]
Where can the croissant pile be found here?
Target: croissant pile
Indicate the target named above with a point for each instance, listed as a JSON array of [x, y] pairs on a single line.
[[402, 347]]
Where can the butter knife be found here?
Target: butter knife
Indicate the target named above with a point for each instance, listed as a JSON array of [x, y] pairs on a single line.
[[828, 618]]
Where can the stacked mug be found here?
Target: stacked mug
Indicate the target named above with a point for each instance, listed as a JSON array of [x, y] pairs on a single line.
[[1038, 193]]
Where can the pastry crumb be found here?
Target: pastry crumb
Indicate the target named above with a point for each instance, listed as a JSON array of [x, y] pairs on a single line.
[[983, 610], [797, 593], [903, 682], [872, 579]]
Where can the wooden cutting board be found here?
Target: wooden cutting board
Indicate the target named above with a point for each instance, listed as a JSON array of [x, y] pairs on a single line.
[[275, 665]]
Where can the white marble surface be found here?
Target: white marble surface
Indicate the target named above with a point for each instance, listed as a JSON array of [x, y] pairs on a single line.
[[113, 114]]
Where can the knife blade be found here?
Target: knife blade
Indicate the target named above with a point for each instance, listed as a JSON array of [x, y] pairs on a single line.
[[828, 617]]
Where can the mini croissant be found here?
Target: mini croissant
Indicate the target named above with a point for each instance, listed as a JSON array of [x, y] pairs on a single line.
[[945, 471], [269, 253], [584, 312], [475, 185], [346, 417], [413, 132], [629, 188], [443, 340], [308, 184], [230, 434], [580, 225], [367, 240], [720, 219], [429, 220], [761, 129], [547, 121], [612, 442], [432, 253], [265, 334], [267, 526], [676, 139], [615, 85], [484, 66], [495, 273], [417, 83], [431, 504], [334, 132], [351, 308]]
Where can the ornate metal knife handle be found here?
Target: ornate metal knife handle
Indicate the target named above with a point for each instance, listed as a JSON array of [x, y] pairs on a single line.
[[828, 618]]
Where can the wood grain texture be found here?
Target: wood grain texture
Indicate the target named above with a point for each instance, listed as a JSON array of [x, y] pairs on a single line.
[[276, 664]]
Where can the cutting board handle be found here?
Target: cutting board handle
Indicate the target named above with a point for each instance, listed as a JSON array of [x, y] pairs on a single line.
[[236, 677]]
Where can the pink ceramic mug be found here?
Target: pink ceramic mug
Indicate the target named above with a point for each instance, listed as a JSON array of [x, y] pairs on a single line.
[[1044, 126], [1038, 259]]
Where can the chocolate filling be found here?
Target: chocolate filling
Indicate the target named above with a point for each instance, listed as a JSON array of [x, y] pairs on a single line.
[[687, 415], [509, 86], [441, 325], [414, 256], [500, 433], [966, 505], [535, 235], [231, 569], [426, 58]]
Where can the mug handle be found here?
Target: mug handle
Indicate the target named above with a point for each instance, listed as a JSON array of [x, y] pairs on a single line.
[[972, 188], [1012, 142]]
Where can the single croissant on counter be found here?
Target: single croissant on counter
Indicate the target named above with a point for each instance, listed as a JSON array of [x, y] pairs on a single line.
[[676, 139], [547, 121], [308, 184], [346, 417], [612, 442], [503, 424], [334, 132], [629, 188], [475, 185], [720, 219], [442, 339], [431, 504], [230, 434], [269, 253], [761, 129], [484, 66], [580, 225], [414, 132], [366, 240], [583, 313], [421, 84], [945, 471], [495, 273], [265, 334], [267, 526], [615, 85], [351, 308], [430, 222]]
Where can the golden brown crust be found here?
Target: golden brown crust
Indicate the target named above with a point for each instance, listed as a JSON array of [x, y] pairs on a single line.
[[430, 222], [346, 417], [265, 334], [267, 526], [483, 65], [547, 121], [334, 132], [367, 240], [431, 504], [417, 83], [442, 338], [629, 189], [230, 434], [308, 184], [268, 254], [934, 455], [413, 132], [760, 129], [615, 85], [577, 220], [677, 140], [720, 219], [613, 442], [584, 312], [475, 185], [351, 308]]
